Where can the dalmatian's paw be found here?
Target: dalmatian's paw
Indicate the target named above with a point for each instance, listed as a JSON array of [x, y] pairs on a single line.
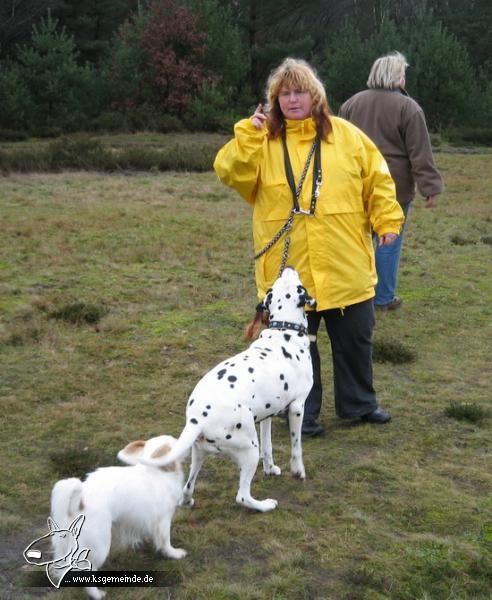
[[297, 469], [260, 505], [187, 502], [273, 470], [267, 505]]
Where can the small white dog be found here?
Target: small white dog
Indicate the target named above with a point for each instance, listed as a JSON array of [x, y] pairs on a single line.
[[122, 506], [273, 374]]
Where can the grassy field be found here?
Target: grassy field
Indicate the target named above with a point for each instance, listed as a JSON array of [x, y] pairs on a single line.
[[158, 269]]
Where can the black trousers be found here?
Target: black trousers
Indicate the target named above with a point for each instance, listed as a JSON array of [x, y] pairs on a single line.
[[350, 333]]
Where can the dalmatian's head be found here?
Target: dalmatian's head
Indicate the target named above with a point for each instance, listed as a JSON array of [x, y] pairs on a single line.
[[286, 299]]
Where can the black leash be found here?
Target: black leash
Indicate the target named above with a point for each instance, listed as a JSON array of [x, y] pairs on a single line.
[[296, 192], [317, 179]]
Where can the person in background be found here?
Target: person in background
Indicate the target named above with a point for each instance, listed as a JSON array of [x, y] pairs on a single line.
[[299, 165], [396, 124]]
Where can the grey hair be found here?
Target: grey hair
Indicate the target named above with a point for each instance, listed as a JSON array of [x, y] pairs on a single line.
[[387, 71]]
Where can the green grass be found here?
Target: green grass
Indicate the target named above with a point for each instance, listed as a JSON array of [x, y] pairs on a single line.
[[468, 411], [401, 511]]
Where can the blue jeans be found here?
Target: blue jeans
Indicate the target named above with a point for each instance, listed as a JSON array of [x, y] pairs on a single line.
[[387, 263]]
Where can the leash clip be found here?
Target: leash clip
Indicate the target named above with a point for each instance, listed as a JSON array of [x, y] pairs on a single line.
[[302, 211], [319, 183]]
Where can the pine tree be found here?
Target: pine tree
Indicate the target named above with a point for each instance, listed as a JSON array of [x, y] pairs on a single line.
[[93, 24], [55, 82], [443, 78]]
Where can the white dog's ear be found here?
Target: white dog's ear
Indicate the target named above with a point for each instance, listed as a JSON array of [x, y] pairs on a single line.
[[132, 453], [162, 451]]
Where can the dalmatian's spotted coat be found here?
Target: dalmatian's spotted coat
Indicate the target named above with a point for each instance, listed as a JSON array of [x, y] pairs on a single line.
[[273, 374]]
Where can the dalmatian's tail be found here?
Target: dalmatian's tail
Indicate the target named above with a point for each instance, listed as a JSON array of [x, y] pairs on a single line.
[[162, 457]]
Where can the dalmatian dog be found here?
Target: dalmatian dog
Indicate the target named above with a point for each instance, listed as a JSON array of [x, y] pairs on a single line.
[[273, 374]]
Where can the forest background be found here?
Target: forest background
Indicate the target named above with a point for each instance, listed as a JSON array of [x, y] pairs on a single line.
[[199, 65]]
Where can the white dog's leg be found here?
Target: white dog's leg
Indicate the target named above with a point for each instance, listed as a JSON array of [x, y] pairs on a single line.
[[296, 412], [266, 448], [163, 541], [247, 461], [96, 535], [95, 593], [198, 455]]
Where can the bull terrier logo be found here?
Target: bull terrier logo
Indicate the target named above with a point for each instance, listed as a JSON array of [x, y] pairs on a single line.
[[39, 552]]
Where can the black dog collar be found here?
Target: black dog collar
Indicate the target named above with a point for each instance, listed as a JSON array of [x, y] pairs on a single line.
[[287, 325]]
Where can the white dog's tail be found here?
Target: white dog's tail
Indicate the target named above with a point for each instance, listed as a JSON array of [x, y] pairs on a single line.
[[164, 455], [66, 501]]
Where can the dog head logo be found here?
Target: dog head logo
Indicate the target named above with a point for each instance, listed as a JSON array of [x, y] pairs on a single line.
[[39, 552]]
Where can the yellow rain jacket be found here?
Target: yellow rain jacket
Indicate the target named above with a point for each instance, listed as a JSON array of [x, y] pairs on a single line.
[[332, 250]]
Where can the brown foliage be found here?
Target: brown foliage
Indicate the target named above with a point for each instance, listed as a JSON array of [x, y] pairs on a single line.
[[175, 48]]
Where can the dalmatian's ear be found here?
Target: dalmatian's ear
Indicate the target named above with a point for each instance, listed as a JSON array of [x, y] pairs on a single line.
[[268, 299], [310, 301], [305, 298]]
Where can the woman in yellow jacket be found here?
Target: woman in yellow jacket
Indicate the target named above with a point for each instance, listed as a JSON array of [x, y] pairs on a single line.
[[318, 182]]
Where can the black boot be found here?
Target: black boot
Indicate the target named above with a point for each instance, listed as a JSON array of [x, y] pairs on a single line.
[[310, 428]]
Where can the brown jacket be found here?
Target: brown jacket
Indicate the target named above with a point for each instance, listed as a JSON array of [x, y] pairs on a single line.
[[396, 124]]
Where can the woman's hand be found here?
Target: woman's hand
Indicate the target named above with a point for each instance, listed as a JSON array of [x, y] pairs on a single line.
[[259, 118], [387, 239]]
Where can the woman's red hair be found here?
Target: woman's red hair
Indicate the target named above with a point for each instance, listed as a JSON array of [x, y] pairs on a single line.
[[297, 74]]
